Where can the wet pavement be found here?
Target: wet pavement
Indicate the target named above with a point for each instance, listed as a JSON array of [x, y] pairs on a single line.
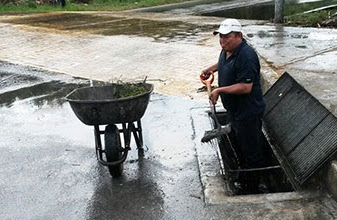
[[49, 169], [306, 53], [49, 165], [176, 47], [111, 61]]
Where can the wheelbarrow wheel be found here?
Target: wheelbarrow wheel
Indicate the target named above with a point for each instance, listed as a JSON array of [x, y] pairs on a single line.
[[112, 144]]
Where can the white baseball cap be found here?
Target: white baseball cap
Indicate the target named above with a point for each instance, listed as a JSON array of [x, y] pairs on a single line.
[[227, 26]]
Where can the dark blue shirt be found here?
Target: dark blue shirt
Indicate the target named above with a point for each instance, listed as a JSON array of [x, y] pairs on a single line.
[[242, 66]]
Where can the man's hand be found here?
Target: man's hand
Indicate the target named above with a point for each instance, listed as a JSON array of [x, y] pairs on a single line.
[[214, 96], [205, 74]]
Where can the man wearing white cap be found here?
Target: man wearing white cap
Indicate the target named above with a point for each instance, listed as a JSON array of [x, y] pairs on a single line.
[[241, 94]]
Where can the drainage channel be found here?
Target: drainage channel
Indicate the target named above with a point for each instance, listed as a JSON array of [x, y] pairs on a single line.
[[294, 125], [219, 181], [238, 179]]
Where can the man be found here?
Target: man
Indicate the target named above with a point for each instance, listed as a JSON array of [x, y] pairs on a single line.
[[241, 94]]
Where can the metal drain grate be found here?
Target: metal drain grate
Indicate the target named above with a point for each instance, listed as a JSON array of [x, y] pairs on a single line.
[[303, 133]]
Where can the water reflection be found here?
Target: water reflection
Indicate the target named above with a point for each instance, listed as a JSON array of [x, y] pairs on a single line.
[[109, 25], [136, 193], [36, 86], [40, 93], [279, 39], [278, 34], [11, 80]]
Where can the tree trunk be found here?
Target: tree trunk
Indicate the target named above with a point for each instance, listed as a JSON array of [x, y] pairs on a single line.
[[279, 17]]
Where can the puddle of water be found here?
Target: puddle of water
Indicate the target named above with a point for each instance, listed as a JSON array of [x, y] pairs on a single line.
[[52, 130], [109, 25], [278, 34], [37, 86], [47, 92], [59, 21], [159, 30], [14, 80]]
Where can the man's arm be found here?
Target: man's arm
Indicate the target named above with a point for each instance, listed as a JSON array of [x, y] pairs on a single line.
[[212, 68], [238, 88], [206, 72]]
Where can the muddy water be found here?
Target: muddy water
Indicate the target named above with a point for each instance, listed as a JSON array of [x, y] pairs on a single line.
[[169, 50], [167, 31], [171, 54]]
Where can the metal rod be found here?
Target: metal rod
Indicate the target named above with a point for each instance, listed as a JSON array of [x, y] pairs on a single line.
[[137, 134], [140, 131], [255, 169], [98, 143], [106, 163]]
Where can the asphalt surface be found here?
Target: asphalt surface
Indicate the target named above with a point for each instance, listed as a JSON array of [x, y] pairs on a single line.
[[49, 168]]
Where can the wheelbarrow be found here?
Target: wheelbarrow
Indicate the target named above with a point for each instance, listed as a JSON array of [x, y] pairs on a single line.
[[111, 105]]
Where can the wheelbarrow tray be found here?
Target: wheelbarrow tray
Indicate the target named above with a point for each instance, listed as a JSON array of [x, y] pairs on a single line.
[[97, 105]]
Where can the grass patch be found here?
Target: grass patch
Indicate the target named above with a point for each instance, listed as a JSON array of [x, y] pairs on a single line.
[[95, 5], [294, 13], [310, 20], [292, 9]]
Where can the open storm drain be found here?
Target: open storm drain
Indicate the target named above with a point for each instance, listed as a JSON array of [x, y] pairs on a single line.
[[243, 181]]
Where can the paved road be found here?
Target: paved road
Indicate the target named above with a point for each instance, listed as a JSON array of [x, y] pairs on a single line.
[[49, 169]]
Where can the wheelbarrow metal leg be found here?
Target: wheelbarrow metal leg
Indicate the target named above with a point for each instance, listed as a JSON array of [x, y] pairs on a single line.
[[137, 133], [98, 141]]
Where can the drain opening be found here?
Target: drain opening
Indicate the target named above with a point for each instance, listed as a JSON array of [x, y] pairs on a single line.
[[241, 181]]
